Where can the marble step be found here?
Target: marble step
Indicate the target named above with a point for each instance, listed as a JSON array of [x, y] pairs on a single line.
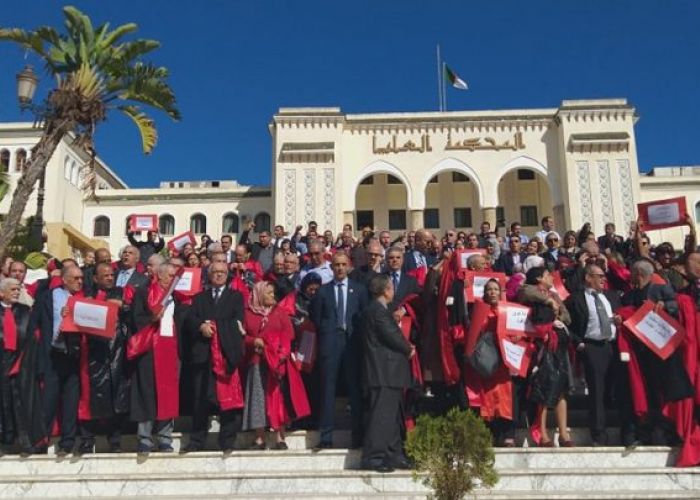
[[328, 483], [323, 460]]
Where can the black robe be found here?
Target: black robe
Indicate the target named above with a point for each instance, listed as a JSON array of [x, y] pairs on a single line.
[[21, 416], [109, 384]]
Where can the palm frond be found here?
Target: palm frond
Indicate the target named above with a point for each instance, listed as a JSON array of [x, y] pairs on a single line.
[[145, 125]]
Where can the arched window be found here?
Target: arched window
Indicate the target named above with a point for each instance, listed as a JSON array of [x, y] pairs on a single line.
[[66, 168], [166, 224], [74, 173], [4, 160], [20, 160], [697, 212], [262, 222], [127, 224], [198, 224], [229, 223], [101, 226]]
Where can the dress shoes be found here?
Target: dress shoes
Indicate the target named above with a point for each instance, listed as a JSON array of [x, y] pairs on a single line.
[[63, 452], [323, 445], [165, 448], [191, 448], [144, 449], [402, 464], [381, 467]]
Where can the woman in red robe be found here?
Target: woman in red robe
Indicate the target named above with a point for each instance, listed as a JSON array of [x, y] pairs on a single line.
[[275, 394]]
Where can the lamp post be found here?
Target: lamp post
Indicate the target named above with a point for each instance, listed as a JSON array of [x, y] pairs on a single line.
[[27, 83]]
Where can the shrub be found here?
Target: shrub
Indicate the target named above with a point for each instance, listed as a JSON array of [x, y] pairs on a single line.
[[452, 453]]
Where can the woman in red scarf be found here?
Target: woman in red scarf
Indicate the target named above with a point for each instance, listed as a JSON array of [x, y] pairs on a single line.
[[272, 381]]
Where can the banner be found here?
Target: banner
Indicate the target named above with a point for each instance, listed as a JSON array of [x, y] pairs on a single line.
[[514, 320], [96, 317], [189, 280], [662, 213], [464, 254], [179, 241], [659, 332], [143, 222], [475, 281]]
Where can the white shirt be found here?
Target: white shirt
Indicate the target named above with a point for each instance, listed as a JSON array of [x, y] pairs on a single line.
[[324, 271], [593, 327], [344, 290], [124, 276]]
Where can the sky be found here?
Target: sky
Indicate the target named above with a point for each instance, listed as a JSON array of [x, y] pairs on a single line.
[[233, 64]]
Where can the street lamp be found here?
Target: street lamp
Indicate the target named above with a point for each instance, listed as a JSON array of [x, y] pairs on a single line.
[[27, 82]]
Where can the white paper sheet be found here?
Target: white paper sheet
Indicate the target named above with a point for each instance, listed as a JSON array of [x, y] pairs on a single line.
[[516, 319], [90, 315], [184, 283], [143, 223], [654, 328], [666, 213], [514, 353], [478, 286], [167, 323]]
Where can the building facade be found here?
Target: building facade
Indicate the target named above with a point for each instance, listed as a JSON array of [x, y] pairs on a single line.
[[396, 171]]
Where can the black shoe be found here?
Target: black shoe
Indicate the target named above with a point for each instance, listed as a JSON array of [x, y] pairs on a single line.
[[227, 451], [63, 452], [191, 448], [114, 448], [402, 463], [323, 445], [39, 450], [382, 467], [258, 446], [144, 449], [165, 448], [281, 446], [85, 449]]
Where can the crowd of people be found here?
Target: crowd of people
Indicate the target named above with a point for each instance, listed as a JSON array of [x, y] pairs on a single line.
[[278, 328]]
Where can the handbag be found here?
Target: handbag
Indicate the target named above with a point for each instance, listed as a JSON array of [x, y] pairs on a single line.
[[485, 358]]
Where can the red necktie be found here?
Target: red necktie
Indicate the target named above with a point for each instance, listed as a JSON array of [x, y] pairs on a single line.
[[9, 328]]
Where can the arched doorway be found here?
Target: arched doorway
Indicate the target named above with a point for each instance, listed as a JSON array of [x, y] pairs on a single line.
[[381, 202], [451, 202], [524, 196]]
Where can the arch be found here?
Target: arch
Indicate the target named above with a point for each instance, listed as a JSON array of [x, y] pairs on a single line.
[[100, 226], [4, 160], [74, 173], [262, 222], [166, 224], [230, 223], [198, 223], [66, 168], [20, 160], [516, 163], [382, 167], [454, 165]]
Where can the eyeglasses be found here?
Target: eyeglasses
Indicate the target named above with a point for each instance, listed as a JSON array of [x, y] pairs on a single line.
[[552, 240], [597, 275], [374, 254]]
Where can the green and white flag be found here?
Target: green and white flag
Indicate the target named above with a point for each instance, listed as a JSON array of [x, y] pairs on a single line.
[[455, 80]]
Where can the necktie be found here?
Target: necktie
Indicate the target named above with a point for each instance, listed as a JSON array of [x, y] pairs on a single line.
[[395, 280], [340, 307], [9, 328], [217, 292], [603, 318]]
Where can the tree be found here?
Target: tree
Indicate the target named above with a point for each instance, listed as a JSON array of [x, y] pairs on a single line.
[[96, 72]]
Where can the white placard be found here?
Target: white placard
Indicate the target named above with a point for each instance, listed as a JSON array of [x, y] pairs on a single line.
[[144, 223], [516, 319], [306, 346], [465, 257], [478, 285], [184, 282], [90, 315], [654, 328], [179, 243], [514, 353], [666, 213], [167, 323]]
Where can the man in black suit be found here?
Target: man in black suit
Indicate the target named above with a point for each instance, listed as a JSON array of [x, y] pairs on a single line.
[[594, 328], [365, 273], [386, 375], [126, 273], [514, 256], [420, 257], [222, 307], [404, 284], [335, 311]]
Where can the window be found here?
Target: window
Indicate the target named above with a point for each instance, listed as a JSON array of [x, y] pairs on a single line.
[[463, 217], [697, 212], [433, 179], [397, 219], [198, 224], [367, 181], [262, 222], [215, 184], [364, 218], [127, 224], [500, 217], [5, 160], [101, 226], [20, 160], [390, 179], [528, 215], [66, 168], [526, 175], [431, 218], [74, 173], [166, 224], [459, 177], [229, 223]]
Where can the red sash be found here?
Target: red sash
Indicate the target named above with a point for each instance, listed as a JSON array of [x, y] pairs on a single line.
[[9, 328], [229, 391]]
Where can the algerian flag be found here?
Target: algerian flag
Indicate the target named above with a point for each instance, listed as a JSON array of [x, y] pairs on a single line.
[[455, 80]]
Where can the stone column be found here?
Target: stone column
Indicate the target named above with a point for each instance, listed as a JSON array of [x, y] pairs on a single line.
[[416, 219], [489, 215]]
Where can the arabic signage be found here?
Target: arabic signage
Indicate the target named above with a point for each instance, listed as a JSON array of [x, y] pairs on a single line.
[[422, 145]]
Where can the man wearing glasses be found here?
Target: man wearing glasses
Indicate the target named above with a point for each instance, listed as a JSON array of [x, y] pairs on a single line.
[[551, 254], [594, 328], [317, 264]]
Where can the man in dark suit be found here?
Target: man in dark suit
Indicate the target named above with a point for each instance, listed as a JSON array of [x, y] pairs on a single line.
[[420, 257], [335, 311], [594, 328], [222, 307], [514, 256], [126, 272], [386, 375], [365, 273], [404, 284]]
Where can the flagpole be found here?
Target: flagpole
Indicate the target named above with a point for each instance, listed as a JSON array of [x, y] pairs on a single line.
[[444, 88], [439, 79]]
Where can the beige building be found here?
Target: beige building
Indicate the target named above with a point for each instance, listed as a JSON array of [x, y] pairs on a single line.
[[399, 171]]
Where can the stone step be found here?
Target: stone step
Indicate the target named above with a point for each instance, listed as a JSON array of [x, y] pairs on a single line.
[[323, 460], [326, 483]]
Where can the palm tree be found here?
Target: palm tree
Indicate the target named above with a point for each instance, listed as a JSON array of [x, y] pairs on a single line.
[[96, 72]]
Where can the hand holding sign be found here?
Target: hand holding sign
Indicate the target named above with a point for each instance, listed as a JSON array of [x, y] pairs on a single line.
[[663, 213], [96, 317]]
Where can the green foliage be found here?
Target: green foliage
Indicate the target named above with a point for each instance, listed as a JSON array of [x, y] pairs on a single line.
[[23, 243], [454, 451]]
